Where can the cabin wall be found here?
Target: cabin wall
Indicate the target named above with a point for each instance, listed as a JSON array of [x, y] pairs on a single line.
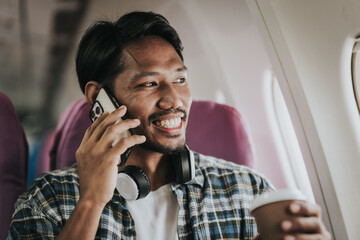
[[311, 46]]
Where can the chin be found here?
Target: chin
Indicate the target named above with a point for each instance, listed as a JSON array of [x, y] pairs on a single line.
[[164, 148]]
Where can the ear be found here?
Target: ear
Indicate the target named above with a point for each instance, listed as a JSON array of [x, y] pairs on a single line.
[[92, 89]]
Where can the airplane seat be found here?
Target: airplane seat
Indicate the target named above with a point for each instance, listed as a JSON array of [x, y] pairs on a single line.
[[219, 130], [69, 132], [13, 162], [43, 157], [213, 129]]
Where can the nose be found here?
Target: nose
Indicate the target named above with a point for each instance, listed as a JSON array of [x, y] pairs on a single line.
[[170, 98]]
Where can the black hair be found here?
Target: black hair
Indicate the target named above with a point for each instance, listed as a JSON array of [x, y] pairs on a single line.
[[99, 56]]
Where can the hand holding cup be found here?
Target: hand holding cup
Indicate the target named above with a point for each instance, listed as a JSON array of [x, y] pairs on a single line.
[[286, 214]]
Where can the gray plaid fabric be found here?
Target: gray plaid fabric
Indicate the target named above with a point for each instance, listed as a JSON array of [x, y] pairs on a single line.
[[214, 205]]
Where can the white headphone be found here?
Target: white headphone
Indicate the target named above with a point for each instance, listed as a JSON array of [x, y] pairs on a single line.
[[133, 183]]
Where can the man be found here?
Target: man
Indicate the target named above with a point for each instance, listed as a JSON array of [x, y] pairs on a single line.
[[139, 59]]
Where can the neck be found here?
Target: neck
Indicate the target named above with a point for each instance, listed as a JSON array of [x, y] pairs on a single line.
[[157, 166]]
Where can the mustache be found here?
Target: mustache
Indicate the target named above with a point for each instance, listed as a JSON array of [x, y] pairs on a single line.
[[156, 115]]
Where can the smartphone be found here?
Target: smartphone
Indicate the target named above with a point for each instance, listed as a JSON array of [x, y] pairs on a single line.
[[106, 102]]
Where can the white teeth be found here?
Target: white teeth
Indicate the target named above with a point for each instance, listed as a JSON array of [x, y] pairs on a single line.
[[169, 123]]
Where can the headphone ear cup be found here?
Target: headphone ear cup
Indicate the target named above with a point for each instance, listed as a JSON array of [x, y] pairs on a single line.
[[133, 183], [184, 165]]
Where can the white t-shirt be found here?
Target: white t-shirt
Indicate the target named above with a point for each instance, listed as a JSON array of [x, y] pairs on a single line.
[[156, 215]]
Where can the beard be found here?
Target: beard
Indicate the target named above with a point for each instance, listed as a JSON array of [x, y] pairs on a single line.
[[166, 150]]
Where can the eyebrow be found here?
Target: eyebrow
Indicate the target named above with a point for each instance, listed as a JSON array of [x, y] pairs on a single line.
[[144, 74], [147, 74]]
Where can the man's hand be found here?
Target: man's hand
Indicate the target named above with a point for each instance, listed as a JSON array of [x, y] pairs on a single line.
[[97, 164], [97, 160], [307, 224]]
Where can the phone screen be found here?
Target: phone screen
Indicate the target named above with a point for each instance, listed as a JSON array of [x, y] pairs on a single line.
[[106, 102]]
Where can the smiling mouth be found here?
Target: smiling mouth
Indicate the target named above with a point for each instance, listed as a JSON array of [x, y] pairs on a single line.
[[168, 123]]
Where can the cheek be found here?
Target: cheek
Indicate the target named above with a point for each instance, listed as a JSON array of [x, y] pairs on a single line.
[[140, 108], [186, 98]]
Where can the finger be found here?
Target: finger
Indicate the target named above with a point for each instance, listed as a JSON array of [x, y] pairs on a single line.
[[126, 143], [302, 225], [113, 131], [93, 126], [326, 236], [257, 237], [306, 209], [109, 120]]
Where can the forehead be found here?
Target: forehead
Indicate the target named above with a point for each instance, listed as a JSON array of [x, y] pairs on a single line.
[[150, 51], [149, 56]]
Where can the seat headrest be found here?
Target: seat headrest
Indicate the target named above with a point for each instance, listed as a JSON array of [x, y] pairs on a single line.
[[69, 132], [219, 130], [13, 161]]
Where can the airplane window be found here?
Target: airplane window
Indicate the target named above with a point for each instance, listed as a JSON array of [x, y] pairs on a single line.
[[356, 71], [287, 144]]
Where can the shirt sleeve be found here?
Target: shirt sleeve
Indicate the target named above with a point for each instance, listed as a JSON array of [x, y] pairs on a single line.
[[266, 186], [28, 223], [36, 216]]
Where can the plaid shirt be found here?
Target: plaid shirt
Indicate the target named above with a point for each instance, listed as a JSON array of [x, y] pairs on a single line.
[[214, 205]]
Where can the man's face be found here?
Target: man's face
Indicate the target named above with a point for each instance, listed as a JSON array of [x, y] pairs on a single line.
[[155, 90]]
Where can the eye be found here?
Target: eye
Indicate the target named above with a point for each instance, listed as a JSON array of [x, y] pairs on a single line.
[[180, 80], [148, 84]]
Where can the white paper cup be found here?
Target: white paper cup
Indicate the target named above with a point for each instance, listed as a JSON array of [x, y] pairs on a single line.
[[271, 208]]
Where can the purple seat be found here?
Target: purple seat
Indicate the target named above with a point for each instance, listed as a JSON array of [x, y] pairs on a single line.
[[218, 130], [213, 129], [13, 162], [68, 135]]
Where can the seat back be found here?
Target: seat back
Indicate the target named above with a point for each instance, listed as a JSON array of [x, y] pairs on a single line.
[[13, 162], [69, 133], [219, 130], [213, 129]]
